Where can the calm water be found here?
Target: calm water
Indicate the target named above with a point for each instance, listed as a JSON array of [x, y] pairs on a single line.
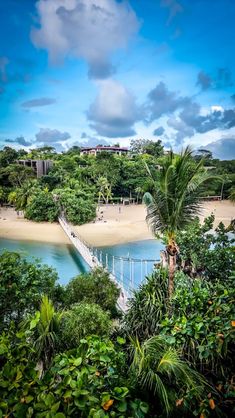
[[131, 271], [68, 263], [63, 258]]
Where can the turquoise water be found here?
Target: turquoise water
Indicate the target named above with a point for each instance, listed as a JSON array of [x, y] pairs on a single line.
[[131, 271], [63, 258], [69, 264]]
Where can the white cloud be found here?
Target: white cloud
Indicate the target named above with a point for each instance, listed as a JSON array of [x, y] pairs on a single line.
[[114, 111], [50, 136], [224, 148], [88, 29]]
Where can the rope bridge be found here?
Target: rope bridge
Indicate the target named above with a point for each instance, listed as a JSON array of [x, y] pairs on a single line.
[[128, 273]]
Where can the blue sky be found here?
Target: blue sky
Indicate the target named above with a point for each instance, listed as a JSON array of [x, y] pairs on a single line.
[[107, 71]]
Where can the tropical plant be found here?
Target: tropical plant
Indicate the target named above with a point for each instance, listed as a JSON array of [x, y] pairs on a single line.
[[161, 373], [93, 287], [175, 201], [204, 252], [22, 284], [147, 307], [201, 324], [42, 207], [24, 194], [18, 174], [89, 381], [105, 190], [2, 194], [77, 204], [81, 321], [44, 329], [232, 195], [202, 327]]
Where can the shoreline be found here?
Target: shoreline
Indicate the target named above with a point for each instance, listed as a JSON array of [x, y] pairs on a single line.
[[114, 225]]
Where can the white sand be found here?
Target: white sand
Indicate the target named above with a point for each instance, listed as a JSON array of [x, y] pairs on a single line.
[[16, 227], [115, 227]]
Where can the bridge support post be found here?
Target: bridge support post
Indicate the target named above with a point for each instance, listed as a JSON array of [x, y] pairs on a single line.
[[113, 269], [106, 261]]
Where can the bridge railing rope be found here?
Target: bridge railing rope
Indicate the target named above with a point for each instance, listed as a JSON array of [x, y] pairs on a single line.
[[127, 272]]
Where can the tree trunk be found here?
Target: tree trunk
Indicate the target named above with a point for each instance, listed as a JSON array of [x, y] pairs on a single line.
[[172, 267]]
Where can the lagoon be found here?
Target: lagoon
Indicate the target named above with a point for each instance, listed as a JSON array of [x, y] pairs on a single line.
[[68, 263]]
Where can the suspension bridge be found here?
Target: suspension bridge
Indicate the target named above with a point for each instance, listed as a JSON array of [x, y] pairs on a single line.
[[128, 273]]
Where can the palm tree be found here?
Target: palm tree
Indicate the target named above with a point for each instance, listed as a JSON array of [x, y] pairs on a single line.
[[158, 369], [45, 328], [139, 191], [175, 201], [105, 189]]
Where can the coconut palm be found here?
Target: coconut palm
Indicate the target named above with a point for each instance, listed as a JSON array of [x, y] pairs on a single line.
[[158, 369], [175, 201]]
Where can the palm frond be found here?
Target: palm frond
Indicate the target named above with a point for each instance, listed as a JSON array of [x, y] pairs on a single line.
[[159, 369]]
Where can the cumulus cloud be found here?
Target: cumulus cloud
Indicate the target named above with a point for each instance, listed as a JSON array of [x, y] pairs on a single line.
[[19, 140], [204, 80], [43, 101], [220, 80], [90, 141], [88, 29], [185, 115], [183, 130], [162, 101], [223, 149], [51, 136], [114, 111], [159, 131]]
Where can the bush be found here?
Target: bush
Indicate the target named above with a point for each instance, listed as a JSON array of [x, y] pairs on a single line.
[[22, 284], [147, 306], [201, 323], [41, 207], [94, 287], [86, 382], [205, 252], [83, 320], [78, 205]]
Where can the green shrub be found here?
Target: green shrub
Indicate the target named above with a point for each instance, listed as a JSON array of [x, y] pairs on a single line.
[[201, 323], [41, 207], [205, 252], [94, 287], [22, 284], [83, 320], [85, 382], [147, 306]]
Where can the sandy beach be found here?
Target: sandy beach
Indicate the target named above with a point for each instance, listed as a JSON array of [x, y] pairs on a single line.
[[16, 227], [116, 227]]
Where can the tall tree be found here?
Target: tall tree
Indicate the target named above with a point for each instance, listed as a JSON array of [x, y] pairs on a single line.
[[175, 201]]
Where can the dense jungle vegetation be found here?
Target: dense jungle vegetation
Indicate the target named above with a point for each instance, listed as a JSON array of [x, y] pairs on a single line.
[[76, 182], [68, 350]]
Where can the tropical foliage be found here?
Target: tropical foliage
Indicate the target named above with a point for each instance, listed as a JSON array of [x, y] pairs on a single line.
[[95, 287], [22, 284], [66, 350], [175, 201]]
